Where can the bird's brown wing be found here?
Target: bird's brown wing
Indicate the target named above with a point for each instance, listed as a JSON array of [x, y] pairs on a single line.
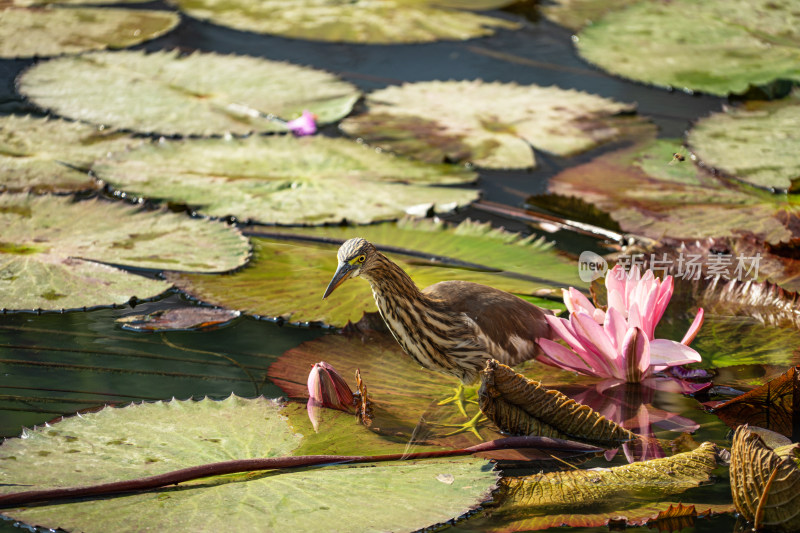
[[509, 326]]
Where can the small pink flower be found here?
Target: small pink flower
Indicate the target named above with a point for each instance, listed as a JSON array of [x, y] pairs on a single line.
[[619, 343], [326, 388], [305, 124]]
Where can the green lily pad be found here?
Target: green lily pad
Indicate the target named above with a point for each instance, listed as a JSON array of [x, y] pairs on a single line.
[[386, 22], [756, 143], [197, 94], [51, 155], [147, 439], [714, 46], [648, 195], [287, 279], [575, 14], [630, 493], [489, 124], [53, 251], [263, 179], [405, 397], [49, 31]]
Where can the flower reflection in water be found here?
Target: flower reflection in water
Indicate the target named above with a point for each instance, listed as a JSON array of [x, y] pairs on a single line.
[[631, 406]]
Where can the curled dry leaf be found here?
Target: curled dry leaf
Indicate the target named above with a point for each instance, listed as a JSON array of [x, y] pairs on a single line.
[[522, 406], [775, 406], [765, 483]]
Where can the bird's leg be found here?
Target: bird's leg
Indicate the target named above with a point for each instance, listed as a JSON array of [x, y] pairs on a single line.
[[459, 398], [471, 426]]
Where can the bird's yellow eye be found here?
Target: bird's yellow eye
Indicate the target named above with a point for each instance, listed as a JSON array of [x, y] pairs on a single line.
[[361, 258]]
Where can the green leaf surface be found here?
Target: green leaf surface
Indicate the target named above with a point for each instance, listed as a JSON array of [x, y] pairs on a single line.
[[575, 14], [196, 94], [405, 397], [52, 251], [756, 143], [51, 155], [648, 195], [714, 46], [385, 22], [489, 124], [263, 179], [287, 279], [49, 31], [147, 439], [730, 340]]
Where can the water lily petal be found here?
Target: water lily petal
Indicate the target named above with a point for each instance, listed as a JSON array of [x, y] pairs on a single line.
[[665, 290], [615, 326], [615, 282], [636, 353], [664, 352], [562, 357], [576, 301], [595, 340], [691, 333]]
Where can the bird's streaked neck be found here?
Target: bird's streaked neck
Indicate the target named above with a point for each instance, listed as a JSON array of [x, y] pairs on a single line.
[[390, 279]]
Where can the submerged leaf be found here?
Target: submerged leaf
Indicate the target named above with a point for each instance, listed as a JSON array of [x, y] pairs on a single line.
[[287, 277], [179, 319], [489, 124], [610, 488], [765, 483], [756, 143], [52, 155], [49, 31], [774, 405], [52, 251], [385, 22], [648, 196], [147, 439], [521, 406], [714, 46], [197, 94], [262, 179]]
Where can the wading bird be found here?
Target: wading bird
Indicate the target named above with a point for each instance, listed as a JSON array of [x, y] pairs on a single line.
[[451, 327]]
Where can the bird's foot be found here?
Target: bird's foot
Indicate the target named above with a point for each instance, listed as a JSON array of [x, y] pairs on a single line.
[[471, 425], [459, 398]]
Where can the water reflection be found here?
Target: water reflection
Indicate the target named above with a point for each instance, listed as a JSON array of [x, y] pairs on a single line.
[[631, 406]]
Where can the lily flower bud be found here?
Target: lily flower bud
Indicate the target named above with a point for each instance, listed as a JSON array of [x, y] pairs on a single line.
[[326, 388]]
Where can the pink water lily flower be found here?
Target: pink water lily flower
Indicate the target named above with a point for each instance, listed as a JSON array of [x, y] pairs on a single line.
[[619, 343], [305, 124], [326, 388], [641, 299]]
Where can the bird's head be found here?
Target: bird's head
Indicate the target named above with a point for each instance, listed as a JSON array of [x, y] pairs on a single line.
[[356, 257]]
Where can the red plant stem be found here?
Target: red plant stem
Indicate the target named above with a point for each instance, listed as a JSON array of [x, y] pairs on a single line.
[[272, 463]]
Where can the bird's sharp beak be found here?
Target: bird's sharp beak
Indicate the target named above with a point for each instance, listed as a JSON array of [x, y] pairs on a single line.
[[342, 273]]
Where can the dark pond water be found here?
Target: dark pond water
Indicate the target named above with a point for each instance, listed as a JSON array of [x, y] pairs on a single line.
[[54, 364]]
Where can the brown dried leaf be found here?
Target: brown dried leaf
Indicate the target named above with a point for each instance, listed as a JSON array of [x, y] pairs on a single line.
[[180, 319], [676, 518], [522, 406], [774, 405], [759, 473]]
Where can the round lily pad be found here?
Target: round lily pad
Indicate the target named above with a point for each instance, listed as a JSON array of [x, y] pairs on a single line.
[[196, 94], [53, 155], [488, 124], [57, 254], [757, 143], [575, 14], [287, 277], [648, 194], [714, 46], [385, 22], [153, 438], [286, 180], [49, 31]]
